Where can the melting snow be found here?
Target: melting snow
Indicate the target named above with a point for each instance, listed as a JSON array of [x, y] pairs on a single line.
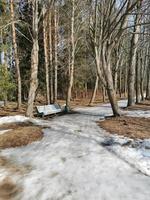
[[77, 160]]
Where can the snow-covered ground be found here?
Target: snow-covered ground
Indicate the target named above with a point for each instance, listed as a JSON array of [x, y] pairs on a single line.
[[77, 160]]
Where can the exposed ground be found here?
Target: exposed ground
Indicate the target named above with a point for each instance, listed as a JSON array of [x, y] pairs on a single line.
[[11, 108], [8, 189], [132, 127], [19, 134]]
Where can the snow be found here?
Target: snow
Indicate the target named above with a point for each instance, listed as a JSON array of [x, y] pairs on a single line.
[[77, 160], [20, 119]]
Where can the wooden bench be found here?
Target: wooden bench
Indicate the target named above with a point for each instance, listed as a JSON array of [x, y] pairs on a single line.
[[50, 109]]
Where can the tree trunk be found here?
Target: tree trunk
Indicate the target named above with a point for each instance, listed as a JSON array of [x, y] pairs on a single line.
[[45, 38], [142, 72], [71, 76], [94, 92], [55, 56], [138, 65], [104, 93], [51, 59], [125, 81], [106, 64], [132, 61], [120, 82], [16, 55], [34, 60], [148, 81]]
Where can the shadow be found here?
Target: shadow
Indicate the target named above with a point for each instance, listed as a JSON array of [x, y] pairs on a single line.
[[110, 142], [91, 114]]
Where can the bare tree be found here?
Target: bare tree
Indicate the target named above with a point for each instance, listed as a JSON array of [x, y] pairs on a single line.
[[72, 58], [107, 27], [94, 91], [55, 53], [34, 58], [133, 56], [16, 53], [45, 38], [50, 56]]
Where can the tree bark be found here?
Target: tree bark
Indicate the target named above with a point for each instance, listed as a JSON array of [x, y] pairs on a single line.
[[34, 60], [142, 79], [51, 58], [138, 65], [19, 92], [94, 91], [55, 56], [148, 83], [45, 38], [106, 65], [132, 61], [72, 58]]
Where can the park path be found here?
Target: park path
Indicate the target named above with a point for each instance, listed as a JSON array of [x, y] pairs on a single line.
[[71, 163]]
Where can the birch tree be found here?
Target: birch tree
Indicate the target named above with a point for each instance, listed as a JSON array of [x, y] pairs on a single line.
[[45, 39], [72, 57], [16, 53]]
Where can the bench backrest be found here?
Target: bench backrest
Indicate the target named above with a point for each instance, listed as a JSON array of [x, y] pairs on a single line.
[[49, 109]]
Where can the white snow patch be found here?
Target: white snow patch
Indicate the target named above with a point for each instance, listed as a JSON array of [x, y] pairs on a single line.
[[20, 118]]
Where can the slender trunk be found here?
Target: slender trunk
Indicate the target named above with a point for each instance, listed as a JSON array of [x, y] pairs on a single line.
[[4, 64], [45, 38], [125, 81], [16, 55], [106, 64], [142, 72], [120, 78], [138, 65], [34, 60], [116, 81], [71, 77], [55, 56], [94, 91], [51, 58], [132, 61], [104, 94], [86, 90], [148, 81], [118, 64]]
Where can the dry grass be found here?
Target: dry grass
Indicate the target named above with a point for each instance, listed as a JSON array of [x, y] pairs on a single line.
[[11, 166], [8, 189], [20, 134], [131, 127]]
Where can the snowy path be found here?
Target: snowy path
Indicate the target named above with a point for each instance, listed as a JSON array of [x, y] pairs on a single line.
[[70, 163]]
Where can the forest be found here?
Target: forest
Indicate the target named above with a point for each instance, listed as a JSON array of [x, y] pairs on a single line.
[[72, 49], [74, 99]]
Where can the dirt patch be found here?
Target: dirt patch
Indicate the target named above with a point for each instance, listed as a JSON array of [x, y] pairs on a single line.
[[15, 125], [132, 127], [145, 105], [12, 167], [8, 189], [19, 135]]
